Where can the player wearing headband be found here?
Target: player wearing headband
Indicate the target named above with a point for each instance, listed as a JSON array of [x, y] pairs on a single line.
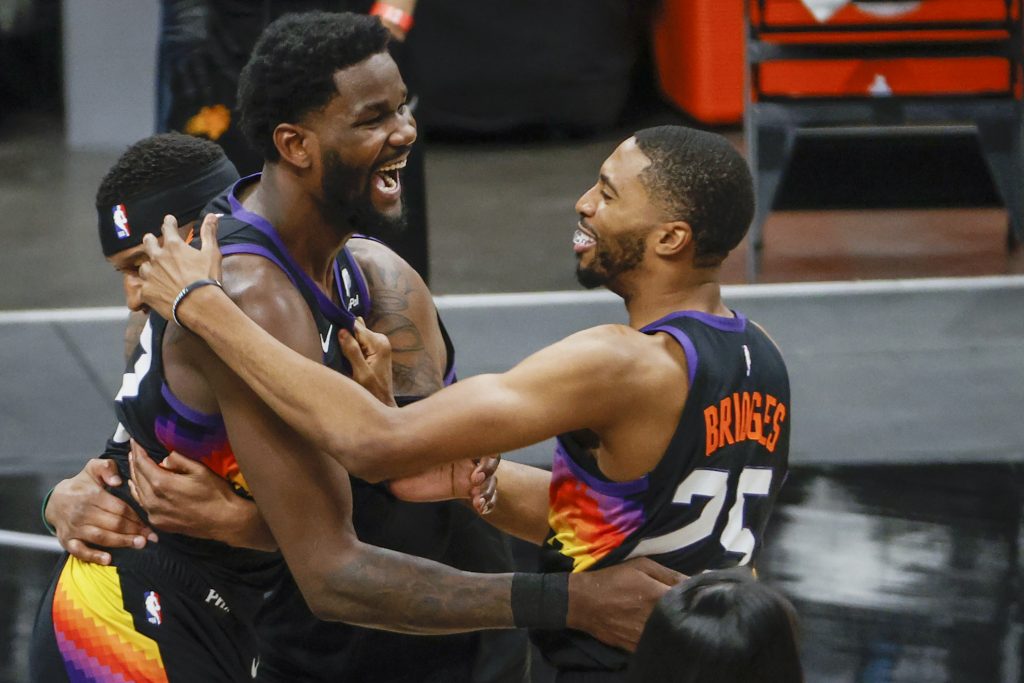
[[182, 174], [328, 109], [102, 617]]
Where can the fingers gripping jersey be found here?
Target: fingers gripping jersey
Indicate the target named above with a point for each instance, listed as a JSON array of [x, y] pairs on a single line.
[[705, 504]]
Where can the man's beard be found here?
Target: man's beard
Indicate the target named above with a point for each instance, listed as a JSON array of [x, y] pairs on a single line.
[[612, 259], [358, 214]]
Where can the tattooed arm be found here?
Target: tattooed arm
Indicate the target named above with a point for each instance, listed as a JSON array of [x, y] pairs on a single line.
[[402, 308]]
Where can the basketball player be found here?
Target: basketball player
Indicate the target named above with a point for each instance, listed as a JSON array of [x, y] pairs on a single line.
[[171, 173], [325, 104], [673, 431], [166, 172]]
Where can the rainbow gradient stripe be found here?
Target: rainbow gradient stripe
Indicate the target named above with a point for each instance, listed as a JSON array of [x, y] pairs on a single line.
[[95, 634], [590, 517], [198, 436]]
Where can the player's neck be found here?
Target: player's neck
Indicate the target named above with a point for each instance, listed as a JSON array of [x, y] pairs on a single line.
[[698, 291], [311, 240]]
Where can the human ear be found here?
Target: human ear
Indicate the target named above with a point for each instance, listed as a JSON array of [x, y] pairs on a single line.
[[673, 238], [295, 144]]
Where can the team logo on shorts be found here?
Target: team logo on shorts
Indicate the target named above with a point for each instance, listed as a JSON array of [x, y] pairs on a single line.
[[121, 222], [154, 614]]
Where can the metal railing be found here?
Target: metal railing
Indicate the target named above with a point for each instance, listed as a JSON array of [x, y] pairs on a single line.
[[18, 539]]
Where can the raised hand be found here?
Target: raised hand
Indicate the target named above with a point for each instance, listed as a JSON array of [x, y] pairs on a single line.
[[369, 354], [173, 265], [85, 514], [613, 604]]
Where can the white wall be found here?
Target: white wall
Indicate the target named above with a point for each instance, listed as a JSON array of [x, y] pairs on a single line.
[[109, 71]]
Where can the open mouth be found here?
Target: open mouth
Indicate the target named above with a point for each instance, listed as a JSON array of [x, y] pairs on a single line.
[[386, 177], [582, 239]]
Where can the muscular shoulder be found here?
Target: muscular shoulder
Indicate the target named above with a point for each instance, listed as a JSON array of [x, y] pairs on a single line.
[[371, 251], [267, 295], [402, 308], [384, 269], [627, 357]]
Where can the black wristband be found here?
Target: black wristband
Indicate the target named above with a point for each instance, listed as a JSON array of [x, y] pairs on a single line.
[[42, 512], [540, 600], [188, 289]]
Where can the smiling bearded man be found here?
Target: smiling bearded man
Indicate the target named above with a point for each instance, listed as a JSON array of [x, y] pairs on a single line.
[[672, 431], [326, 106]]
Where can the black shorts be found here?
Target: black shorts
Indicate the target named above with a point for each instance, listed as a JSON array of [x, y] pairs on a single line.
[[152, 621]]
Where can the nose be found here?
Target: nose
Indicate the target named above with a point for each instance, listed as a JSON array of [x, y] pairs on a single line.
[[404, 133], [585, 204]]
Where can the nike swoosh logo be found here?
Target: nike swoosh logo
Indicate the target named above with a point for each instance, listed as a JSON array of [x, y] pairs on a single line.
[[255, 666], [325, 342]]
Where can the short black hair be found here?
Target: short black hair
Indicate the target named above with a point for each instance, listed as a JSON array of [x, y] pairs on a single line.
[[699, 177], [155, 163], [291, 70], [721, 626]]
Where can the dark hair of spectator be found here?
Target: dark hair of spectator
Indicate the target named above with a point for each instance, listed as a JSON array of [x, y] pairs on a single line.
[[719, 627]]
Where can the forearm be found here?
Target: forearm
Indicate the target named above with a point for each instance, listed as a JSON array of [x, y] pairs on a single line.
[[521, 507], [244, 527], [378, 588]]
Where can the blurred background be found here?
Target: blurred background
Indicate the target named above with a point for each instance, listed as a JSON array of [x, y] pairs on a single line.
[[885, 139]]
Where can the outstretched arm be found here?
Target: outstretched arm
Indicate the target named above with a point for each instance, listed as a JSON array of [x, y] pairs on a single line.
[[305, 498], [558, 389]]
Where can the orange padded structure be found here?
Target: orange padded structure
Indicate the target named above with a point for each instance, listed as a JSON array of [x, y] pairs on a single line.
[[698, 50]]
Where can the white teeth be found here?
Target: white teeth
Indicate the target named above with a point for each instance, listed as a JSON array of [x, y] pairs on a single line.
[[398, 165], [389, 182], [582, 239]]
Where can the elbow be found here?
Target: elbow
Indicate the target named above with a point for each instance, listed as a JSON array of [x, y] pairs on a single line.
[[375, 453], [323, 608], [370, 465], [327, 598]]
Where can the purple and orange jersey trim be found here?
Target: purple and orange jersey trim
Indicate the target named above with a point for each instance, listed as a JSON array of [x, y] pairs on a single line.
[[96, 636], [198, 436], [590, 517]]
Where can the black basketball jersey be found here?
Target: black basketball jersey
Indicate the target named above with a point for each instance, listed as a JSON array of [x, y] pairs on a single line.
[[705, 504], [295, 645], [149, 412]]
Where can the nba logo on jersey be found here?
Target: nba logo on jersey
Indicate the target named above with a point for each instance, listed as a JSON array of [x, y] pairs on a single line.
[[346, 279], [121, 222], [154, 614]]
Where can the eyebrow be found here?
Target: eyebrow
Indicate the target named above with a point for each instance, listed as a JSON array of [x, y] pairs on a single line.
[[608, 182]]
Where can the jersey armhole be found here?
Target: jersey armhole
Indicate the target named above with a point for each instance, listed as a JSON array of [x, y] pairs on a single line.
[[684, 341]]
